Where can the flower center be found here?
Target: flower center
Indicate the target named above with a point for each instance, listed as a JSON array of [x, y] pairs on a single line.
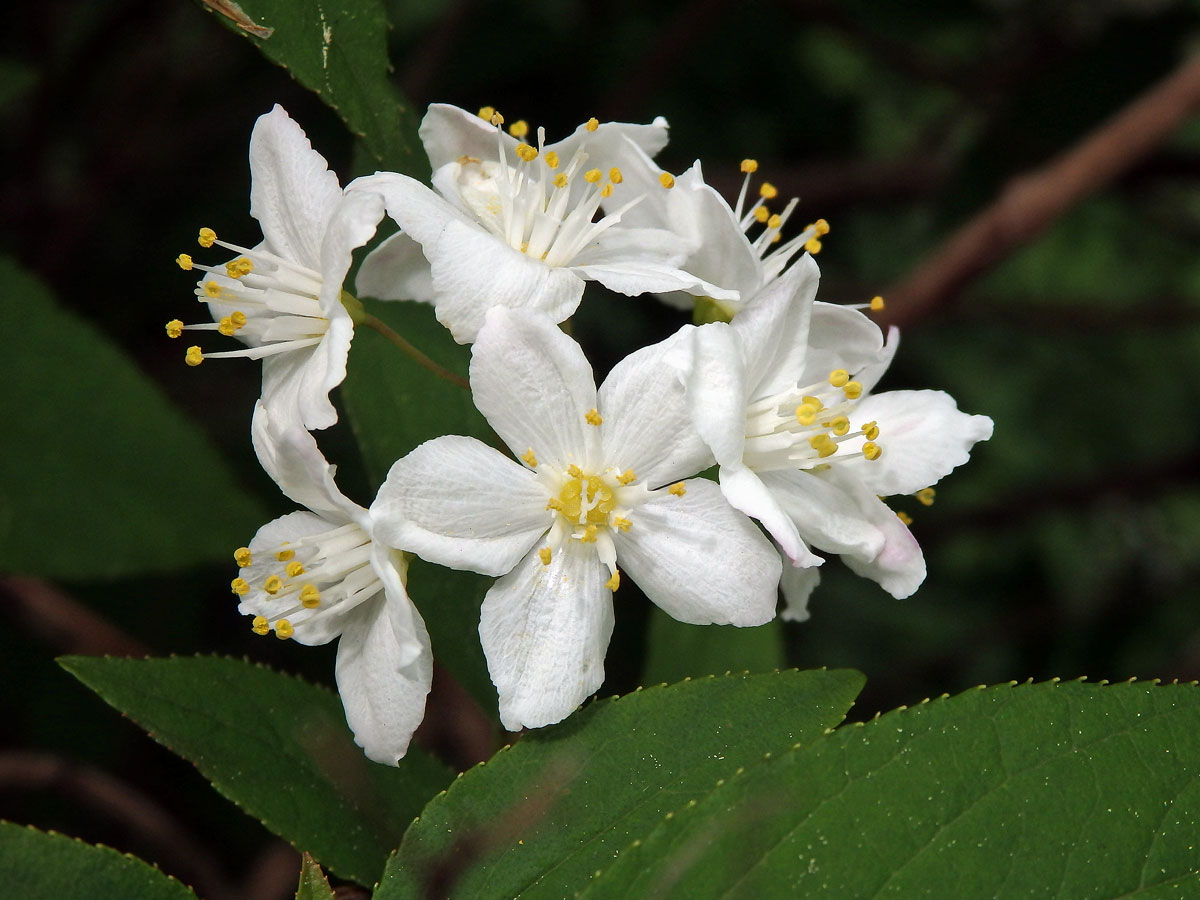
[[268, 302], [774, 258], [290, 585]]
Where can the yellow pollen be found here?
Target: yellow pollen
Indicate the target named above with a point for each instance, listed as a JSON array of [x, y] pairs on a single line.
[[240, 586], [592, 124], [526, 152], [285, 555], [815, 401], [776, 238], [749, 166], [840, 425], [925, 496], [821, 227], [560, 180], [615, 176], [839, 377], [184, 262], [486, 112], [871, 450], [870, 431], [853, 390], [519, 128], [877, 303], [260, 625], [273, 584], [592, 176], [496, 119], [212, 289], [194, 356], [284, 629], [667, 180], [813, 246], [627, 476], [310, 597], [768, 191], [574, 471], [589, 535], [615, 581], [761, 213], [238, 319], [242, 556], [529, 458], [226, 327], [294, 568], [622, 523], [551, 159], [677, 489], [544, 555], [236, 268], [606, 191], [206, 238], [593, 417], [823, 444], [775, 221], [806, 413], [555, 504], [904, 517], [174, 328]]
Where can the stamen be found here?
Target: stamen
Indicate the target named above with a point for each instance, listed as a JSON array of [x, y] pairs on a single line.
[[749, 166], [560, 180], [574, 471], [212, 289], [260, 625], [761, 213], [242, 556], [592, 176], [226, 327], [589, 535], [925, 496], [627, 476], [496, 119], [551, 158], [273, 584], [775, 221], [677, 489], [870, 431], [593, 417], [806, 413], [240, 586], [871, 450], [174, 328], [839, 377], [519, 129], [529, 458], [622, 523], [526, 152], [904, 517], [592, 124], [876, 304], [852, 389], [813, 246], [613, 582], [544, 555], [615, 176], [184, 262], [294, 569], [606, 191], [555, 504], [310, 597], [194, 356], [285, 555], [206, 238], [486, 112], [284, 629], [768, 191], [840, 425], [667, 180]]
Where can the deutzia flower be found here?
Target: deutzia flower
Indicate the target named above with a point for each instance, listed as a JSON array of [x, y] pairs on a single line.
[[782, 395], [513, 223], [284, 298], [595, 493], [312, 576]]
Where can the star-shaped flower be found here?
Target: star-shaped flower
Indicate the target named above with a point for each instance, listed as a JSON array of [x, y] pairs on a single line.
[[596, 495]]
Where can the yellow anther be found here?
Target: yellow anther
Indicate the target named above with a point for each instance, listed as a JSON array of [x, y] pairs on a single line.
[[285, 555], [877, 303], [592, 176], [555, 504], [813, 246], [606, 191], [544, 555], [242, 556], [815, 401], [260, 625], [238, 318], [592, 124], [677, 489], [615, 176], [206, 238], [775, 221], [236, 268], [212, 289], [174, 328], [871, 450], [273, 584], [519, 129], [589, 535], [526, 152], [226, 327], [551, 159], [749, 166], [240, 586], [284, 629], [806, 413], [615, 581], [593, 417], [853, 390], [194, 356], [761, 213], [821, 227], [667, 180], [622, 523], [870, 431], [496, 119], [823, 444], [776, 238], [627, 476], [904, 517], [574, 471], [560, 180], [310, 597], [486, 112], [839, 377], [294, 569], [184, 262], [925, 496], [840, 425], [529, 458], [768, 191]]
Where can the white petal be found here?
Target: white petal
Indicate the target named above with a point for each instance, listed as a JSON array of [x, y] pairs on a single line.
[[749, 493], [797, 585], [545, 630], [717, 391], [292, 192], [840, 337], [535, 387], [899, 567], [396, 270], [635, 276], [869, 376], [457, 502], [923, 436], [826, 516], [647, 425], [449, 132], [609, 145], [418, 210], [384, 696], [620, 244], [773, 327], [699, 559]]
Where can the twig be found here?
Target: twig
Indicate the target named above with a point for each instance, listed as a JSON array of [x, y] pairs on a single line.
[[1032, 202], [420, 358], [64, 624]]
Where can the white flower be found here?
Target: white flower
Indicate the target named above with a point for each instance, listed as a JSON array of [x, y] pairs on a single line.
[[312, 576], [284, 297], [596, 492], [512, 223], [782, 396]]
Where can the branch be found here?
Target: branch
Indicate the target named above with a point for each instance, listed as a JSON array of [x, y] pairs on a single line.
[[1031, 202], [64, 624]]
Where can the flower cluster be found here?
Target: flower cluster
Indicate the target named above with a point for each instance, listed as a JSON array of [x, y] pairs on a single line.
[[599, 483]]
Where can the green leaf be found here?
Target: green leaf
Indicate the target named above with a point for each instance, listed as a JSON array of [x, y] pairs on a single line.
[[676, 650], [276, 746], [34, 864], [1065, 790], [394, 404], [537, 819], [338, 49], [313, 883], [103, 477]]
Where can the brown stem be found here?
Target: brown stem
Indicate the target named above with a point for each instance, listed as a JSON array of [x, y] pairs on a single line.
[[421, 359]]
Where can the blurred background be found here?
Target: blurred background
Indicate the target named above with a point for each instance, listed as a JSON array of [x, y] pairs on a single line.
[[1069, 546]]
